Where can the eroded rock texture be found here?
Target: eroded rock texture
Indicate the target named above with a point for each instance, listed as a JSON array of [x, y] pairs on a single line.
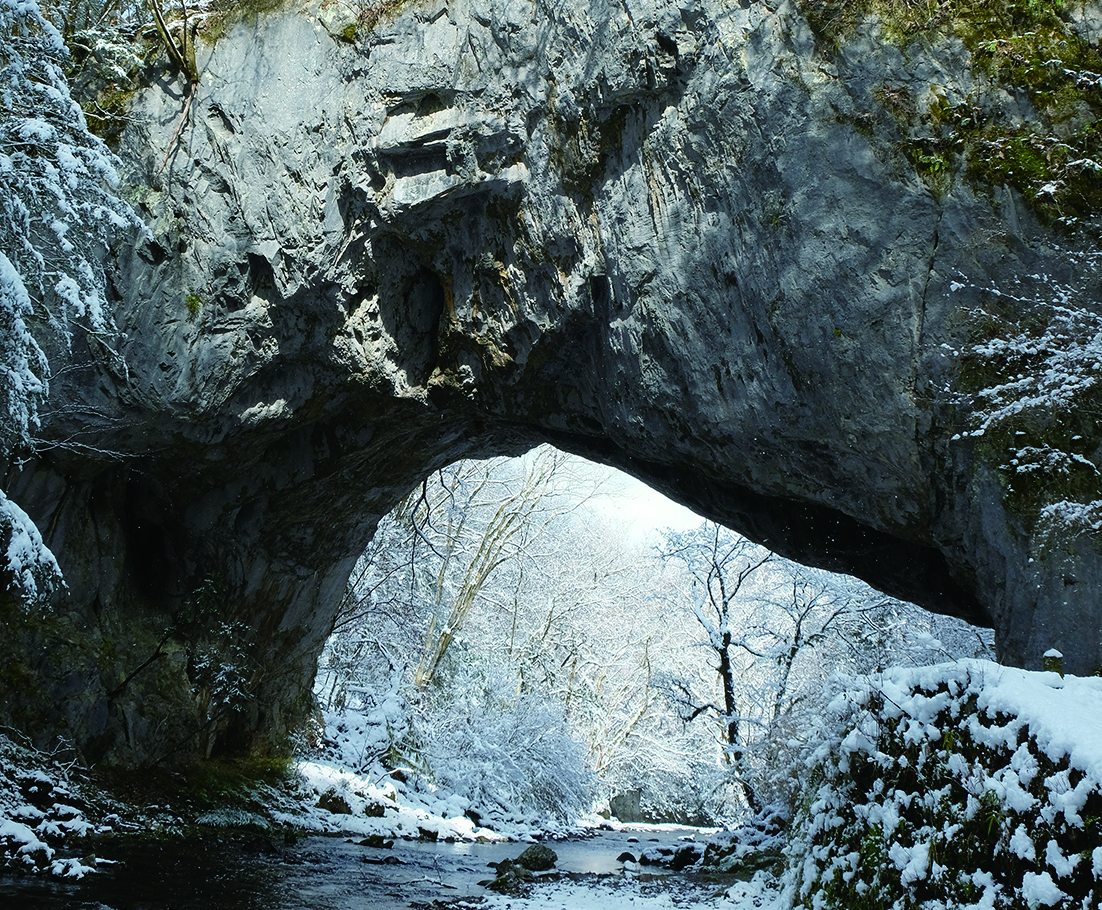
[[679, 238]]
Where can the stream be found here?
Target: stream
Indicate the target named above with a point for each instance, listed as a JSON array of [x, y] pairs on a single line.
[[313, 873]]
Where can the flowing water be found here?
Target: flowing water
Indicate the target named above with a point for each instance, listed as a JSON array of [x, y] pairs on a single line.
[[314, 873]]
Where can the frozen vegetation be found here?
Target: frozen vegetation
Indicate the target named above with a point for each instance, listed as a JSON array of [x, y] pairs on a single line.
[[958, 785], [1028, 375], [61, 214], [502, 669], [43, 810]]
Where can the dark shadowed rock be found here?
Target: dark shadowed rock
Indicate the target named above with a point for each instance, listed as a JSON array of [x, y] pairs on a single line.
[[332, 801], [537, 858], [512, 878], [684, 239]]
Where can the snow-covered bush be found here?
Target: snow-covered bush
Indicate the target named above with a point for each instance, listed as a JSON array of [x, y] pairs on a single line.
[[60, 216], [681, 778], [511, 755], [41, 811], [372, 727], [32, 567], [955, 786]]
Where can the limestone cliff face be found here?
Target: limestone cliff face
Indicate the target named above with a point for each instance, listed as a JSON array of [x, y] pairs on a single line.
[[684, 239]]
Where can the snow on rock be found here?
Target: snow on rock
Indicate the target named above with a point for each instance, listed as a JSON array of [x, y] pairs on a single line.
[[958, 785], [349, 788], [483, 768], [759, 892]]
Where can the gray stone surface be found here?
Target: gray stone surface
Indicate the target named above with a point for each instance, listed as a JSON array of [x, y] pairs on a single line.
[[647, 232]]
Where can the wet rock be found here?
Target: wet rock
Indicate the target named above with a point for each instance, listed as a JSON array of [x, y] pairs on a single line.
[[537, 858], [384, 861], [686, 855], [332, 801], [756, 845], [626, 807], [676, 857], [377, 841], [512, 878], [514, 875]]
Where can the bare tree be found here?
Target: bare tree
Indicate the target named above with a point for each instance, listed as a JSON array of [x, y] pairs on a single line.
[[720, 565], [462, 538], [476, 524]]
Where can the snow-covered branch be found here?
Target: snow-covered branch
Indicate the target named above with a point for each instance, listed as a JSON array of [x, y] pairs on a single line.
[[61, 215]]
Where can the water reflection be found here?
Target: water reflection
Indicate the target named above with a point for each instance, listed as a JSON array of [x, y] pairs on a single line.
[[316, 873]]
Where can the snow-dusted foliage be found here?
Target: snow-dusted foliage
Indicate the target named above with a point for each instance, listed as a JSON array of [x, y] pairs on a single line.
[[370, 735], [964, 785], [22, 363], [60, 215], [508, 753], [40, 813], [220, 668], [32, 566], [1036, 373]]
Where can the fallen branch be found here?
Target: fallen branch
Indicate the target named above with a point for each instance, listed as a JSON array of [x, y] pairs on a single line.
[[179, 124]]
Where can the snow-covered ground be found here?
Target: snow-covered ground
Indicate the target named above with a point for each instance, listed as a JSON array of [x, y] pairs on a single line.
[[41, 811], [763, 891], [345, 788]]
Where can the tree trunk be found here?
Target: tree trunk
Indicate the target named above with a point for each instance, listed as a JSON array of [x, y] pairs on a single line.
[[726, 673]]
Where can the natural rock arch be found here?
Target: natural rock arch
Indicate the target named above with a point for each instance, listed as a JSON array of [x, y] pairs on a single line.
[[650, 235]]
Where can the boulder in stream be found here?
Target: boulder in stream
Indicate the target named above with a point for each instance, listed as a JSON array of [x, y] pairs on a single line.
[[537, 858]]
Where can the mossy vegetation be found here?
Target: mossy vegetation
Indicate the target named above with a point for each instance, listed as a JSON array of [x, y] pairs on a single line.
[[371, 13], [833, 21], [1035, 121], [221, 782], [359, 16], [1042, 466], [104, 74], [194, 304], [223, 16], [241, 789], [106, 112]]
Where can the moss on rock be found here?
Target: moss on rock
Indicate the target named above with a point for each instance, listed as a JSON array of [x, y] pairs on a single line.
[[1035, 121]]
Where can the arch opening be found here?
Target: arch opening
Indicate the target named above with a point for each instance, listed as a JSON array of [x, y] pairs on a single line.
[[543, 635]]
